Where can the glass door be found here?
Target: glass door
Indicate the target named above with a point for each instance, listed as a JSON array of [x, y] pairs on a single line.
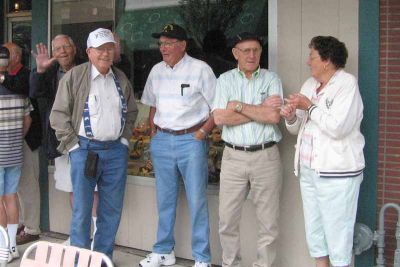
[[19, 32]]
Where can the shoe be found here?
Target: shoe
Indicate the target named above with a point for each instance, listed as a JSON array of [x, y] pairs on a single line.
[[67, 242], [24, 238], [201, 264], [157, 260], [13, 254]]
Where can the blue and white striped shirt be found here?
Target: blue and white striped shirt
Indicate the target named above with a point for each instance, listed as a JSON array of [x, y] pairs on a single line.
[[183, 95], [234, 86]]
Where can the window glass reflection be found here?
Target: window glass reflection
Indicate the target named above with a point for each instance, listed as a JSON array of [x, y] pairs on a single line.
[[210, 26]]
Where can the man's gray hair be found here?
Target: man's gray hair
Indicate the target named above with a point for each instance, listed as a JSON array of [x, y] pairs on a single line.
[[59, 36]]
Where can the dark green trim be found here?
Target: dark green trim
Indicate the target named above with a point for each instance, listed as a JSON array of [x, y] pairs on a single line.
[[39, 23], [369, 86], [2, 24], [39, 34]]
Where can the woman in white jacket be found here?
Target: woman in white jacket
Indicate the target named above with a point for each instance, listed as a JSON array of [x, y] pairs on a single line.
[[326, 115]]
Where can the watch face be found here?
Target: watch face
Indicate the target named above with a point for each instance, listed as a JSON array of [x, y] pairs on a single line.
[[238, 107]]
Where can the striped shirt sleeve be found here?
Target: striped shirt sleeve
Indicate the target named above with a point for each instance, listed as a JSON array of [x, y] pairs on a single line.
[[221, 94]]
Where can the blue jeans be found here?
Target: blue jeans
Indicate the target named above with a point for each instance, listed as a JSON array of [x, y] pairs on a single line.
[[110, 180], [173, 155]]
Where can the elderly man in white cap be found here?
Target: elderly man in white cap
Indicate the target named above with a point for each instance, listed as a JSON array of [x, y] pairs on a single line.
[[93, 116]]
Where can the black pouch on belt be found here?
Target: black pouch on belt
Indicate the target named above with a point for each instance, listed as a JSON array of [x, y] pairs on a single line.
[[91, 164]]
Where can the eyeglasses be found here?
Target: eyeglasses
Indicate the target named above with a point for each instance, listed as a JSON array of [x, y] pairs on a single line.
[[62, 47], [247, 51], [167, 44], [101, 50]]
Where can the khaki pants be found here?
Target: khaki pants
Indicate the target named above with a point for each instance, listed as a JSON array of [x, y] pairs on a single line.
[[262, 170], [29, 192]]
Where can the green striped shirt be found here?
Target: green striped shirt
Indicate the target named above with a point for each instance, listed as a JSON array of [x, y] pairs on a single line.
[[233, 85]]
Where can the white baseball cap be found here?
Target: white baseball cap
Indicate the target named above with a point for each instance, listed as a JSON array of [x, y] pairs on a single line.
[[99, 37]]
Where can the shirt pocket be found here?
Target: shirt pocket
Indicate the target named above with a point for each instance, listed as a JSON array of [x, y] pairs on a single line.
[[261, 96], [94, 104], [189, 95]]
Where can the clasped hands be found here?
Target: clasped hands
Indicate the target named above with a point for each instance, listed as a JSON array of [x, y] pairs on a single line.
[[293, 102], [287, 109]]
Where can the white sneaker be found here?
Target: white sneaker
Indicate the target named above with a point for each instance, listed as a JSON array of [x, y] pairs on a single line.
[[13, 254], [157, 260], [201, 264], [67, 242]]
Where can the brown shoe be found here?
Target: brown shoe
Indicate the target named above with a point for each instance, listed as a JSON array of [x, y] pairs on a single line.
[[24, 238]]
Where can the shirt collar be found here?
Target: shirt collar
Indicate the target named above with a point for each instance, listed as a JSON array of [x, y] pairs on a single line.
[[255, 74], [179, 63], [334, 76], [94, 73], [16, 70]]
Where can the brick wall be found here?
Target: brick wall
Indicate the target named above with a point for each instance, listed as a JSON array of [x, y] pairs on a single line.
[[389, 119]]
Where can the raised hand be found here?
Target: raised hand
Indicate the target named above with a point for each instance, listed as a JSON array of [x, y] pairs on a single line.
[[43, 60]]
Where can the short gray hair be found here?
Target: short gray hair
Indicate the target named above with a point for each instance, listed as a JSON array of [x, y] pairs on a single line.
[[59, 36]]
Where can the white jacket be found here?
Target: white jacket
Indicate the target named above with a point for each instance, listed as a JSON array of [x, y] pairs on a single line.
[[338, 143]]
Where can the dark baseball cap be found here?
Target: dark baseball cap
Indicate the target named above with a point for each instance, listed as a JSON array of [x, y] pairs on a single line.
[[172, 30], [245, 36]]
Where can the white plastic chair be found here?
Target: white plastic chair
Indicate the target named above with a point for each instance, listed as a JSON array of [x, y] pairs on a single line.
[[4, 247], [58, 255]]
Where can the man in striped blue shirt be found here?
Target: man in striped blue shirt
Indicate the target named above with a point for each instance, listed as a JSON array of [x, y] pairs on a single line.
[[247, 105]]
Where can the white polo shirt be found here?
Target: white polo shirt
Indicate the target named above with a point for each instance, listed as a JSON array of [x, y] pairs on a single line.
[[183, 95]]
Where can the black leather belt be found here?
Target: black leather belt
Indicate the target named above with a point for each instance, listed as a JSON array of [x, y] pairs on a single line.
[[251, 148]]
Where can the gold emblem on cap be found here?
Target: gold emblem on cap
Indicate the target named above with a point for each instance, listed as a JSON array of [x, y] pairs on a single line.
[[168, 27]]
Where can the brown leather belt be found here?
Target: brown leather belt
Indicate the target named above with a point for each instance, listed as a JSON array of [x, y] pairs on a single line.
[[251, 148], [180, 132]]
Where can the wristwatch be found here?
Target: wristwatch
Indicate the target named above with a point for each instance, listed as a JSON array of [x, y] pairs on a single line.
[[2, 78], [239, 107]]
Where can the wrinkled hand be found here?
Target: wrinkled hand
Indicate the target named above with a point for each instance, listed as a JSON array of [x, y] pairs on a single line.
[[274, 101], [299, 101], [43, 60], [288, 111], [232, 104], [199, 135], [153, 132]]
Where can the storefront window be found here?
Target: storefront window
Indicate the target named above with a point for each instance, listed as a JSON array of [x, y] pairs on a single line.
[[210, 25], [19, 26], [77, 18]]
